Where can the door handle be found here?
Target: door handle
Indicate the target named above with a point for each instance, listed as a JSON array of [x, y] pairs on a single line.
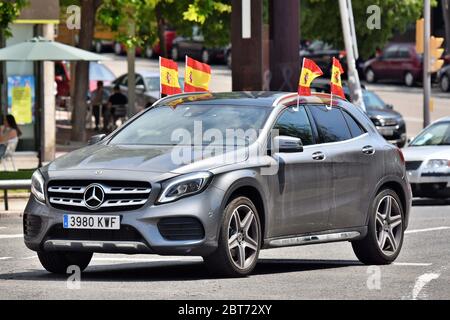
[[318, 155], [368, 150]]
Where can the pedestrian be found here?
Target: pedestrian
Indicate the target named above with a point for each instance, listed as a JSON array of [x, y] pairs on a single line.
[[10, 132], [98, 100], [117, 103]]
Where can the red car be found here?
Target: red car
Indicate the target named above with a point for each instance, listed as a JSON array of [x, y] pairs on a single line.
[[398, 61], [151, 51]]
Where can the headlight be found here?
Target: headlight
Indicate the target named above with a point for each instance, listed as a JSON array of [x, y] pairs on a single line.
[[378, 122], [184, 186], [37, 186], [437, 164]]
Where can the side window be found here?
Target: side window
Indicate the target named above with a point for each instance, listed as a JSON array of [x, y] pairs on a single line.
[[139, 80], [355, 128], [390, 53], [331, 124], [294, 122], [403, 53]]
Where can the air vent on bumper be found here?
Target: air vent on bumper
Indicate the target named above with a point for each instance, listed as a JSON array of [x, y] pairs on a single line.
[[181, 228]]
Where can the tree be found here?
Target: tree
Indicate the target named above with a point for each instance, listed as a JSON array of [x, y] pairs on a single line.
[[9, 11], [86, 34], [320, 19]]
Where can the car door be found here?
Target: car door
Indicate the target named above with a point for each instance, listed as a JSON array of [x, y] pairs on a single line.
[[352, 154], [301, 201], [402, 63], [384, 64]]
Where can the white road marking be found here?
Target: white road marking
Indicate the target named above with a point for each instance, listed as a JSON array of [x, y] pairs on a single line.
[[10, 236], [5, 258], [412, 264], [2, 227], [426, 230], [421, 282], [27, 258]]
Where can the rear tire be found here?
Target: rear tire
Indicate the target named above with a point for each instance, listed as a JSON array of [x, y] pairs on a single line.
[[239, 240], [59, 261], [385, 233], [409, 79], [370, 76], [445, 83], [174, 53]]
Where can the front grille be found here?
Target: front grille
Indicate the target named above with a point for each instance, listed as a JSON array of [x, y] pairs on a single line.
[[390, 122], [412, 165], [117, 195], [126, 233], [31, 225], [185, 228]]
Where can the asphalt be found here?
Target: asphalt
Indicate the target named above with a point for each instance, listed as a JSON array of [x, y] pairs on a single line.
[[325, 271]]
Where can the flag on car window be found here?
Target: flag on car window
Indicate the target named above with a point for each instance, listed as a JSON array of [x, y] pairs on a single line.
[[310, 71], [168, 70], [336, 84], [197, 76]]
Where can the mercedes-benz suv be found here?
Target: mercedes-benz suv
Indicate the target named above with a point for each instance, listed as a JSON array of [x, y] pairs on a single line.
[[222, 176]]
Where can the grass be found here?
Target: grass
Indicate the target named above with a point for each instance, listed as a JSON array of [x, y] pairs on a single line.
[[16, 175]]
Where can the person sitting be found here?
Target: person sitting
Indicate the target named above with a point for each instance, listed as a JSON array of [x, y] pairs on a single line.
[[117, 103], [9, 137], [99, 96]]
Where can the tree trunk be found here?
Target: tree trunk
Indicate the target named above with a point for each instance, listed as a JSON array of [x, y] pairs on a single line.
[[86, 34], [446, 15], [161, 29], [131, 58], [3, 80]]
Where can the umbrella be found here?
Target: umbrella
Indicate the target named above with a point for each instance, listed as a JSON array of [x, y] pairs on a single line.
[[98, 71], [41, 49]]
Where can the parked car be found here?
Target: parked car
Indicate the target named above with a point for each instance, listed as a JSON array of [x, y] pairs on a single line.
[[443, 77], [428, 161], [389, 123], [147, 87], [398, 62], [322, 53], [153, 51], [195, 47], [327, 176], [121, 49]]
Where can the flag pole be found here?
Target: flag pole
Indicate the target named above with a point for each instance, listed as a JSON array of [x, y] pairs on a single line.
[[185, 71], [160, 80], [298, 96], [331, 100]]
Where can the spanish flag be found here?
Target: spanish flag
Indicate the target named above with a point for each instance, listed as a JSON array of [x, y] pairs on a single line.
[[309, 72], [197, 76], [336, 84], [168, 71]]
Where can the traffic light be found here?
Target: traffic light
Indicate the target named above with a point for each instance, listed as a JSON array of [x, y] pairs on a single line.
[[435, 53], [419, 35]]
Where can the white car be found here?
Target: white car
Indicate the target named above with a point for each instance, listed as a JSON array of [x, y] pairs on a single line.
[[428, 161]]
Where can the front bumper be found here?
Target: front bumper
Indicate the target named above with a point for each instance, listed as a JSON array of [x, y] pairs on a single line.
[[429, 185], [395, 134], [139, 228]]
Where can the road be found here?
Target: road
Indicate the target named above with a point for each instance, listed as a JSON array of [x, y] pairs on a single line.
[[325, 271]]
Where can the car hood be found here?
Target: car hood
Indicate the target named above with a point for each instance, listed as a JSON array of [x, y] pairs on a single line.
[[426, 152], [161, 159], [383, 113]]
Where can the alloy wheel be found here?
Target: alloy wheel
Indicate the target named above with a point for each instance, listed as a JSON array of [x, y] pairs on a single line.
[[409, 79], [388, 225], [243, 237], [370, 76], [149, 52], [445, 83], [205, 56], [174, 53]]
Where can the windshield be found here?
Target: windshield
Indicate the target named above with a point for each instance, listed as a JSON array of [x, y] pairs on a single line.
[[436, 135], [164, 125], [373, 101]]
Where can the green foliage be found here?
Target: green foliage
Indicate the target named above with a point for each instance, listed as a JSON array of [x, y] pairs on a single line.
[[9, 11], [320, 19], [213, 18]]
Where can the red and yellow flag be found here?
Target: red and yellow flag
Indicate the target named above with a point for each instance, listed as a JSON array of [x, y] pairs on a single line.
[[168, 71], [310, 71], [336, 84], [197, 76]]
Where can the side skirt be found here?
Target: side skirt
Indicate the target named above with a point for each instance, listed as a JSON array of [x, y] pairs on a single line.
[[313, 238]]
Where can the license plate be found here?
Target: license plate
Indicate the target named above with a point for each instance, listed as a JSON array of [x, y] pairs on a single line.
[[387, 132], [78, 221]]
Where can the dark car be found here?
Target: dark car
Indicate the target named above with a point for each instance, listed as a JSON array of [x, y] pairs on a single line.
[[322, 53], [195, 47], [397, 62], [268, 170], [443, 77]]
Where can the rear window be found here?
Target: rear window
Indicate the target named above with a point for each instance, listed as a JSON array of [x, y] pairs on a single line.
[[355, 128], [331, 124]]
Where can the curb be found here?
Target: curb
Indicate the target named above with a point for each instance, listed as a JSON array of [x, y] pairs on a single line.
[[11, 214]]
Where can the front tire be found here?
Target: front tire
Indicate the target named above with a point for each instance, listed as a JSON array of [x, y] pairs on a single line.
[[239, 240], [59, 261], [370, 76], [385, 234], [174, 53], [409, 79], [445, 83]]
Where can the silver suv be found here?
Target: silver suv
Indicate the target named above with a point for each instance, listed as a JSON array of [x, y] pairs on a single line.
[[222, 176]]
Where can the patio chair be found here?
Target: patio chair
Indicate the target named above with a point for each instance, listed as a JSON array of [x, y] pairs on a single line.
[[7, 152]]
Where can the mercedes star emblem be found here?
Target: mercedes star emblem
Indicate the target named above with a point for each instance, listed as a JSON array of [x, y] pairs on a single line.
[[93, 196]]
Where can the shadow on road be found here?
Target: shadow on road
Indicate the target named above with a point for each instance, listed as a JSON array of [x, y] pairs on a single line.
[[431, 202], [176, 271]]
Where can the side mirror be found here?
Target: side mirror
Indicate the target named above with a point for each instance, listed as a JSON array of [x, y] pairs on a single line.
[[390, 106], [96, 138], [287, 144], [140, 87]]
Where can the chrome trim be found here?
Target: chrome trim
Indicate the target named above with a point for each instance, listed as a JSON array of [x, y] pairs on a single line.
[[319, 238], [107, 203], [108, 190], [64, 189], [96, 245], [67, 201]]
